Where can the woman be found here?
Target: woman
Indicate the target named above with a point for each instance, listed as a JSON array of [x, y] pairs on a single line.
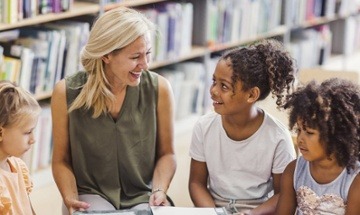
[[113, 124]]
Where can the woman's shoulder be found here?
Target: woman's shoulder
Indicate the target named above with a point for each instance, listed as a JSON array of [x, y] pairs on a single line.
[[76, 80]]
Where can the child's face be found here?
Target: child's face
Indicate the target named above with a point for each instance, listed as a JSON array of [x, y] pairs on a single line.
[[308, 140], [17, 139], [226, 99]]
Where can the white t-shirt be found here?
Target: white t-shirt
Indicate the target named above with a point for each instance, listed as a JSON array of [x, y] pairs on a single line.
[[241, 170]]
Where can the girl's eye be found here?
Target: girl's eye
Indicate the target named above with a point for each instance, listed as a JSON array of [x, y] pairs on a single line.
[[223, 86], [309, 132], [213, 82]]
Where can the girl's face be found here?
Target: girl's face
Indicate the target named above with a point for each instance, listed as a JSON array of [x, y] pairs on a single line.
[[226, 99], [17, 139], [124, 67], [308, 140]]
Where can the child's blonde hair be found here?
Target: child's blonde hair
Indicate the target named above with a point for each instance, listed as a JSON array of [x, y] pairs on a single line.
[[15, 104]]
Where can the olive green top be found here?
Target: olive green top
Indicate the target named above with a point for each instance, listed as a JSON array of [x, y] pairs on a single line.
[[115, 158]]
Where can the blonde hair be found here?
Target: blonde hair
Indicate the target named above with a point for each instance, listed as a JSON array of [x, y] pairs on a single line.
[[15, 104], [114, 30]]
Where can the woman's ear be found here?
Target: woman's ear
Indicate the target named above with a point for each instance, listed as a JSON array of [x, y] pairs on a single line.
[[254, 94], [105, 58]]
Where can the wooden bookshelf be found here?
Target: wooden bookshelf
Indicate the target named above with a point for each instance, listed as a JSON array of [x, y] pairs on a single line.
[[200, 51], [130, 3], [78, 9]]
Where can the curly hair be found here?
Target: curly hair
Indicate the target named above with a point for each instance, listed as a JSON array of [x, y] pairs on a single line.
[[332, 108], [266, 65]]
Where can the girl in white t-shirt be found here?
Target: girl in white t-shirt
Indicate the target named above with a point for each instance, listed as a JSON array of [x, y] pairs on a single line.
[[240, 151]]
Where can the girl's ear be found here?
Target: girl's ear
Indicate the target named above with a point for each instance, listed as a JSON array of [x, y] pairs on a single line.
[[254, 94], [1, 132]]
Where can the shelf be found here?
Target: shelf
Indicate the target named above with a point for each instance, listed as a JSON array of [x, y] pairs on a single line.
[[43, 96], [77, 9], [319, 21], [130, 3], [196, 51], [280, 30]]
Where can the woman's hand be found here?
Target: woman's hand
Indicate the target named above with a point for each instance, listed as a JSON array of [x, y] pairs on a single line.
[[76, 205], [158, 198]]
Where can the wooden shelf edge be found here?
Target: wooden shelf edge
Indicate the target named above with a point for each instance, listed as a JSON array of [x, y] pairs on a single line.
[[130, 3], [77, 9], [280, 30], [195, 52]]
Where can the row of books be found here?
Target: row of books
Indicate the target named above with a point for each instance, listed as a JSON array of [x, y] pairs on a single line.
[[174, 21], [39, 155], [222, 21], [37, 57], [187, 80], [12, 11], [302, 11], [313, 46]]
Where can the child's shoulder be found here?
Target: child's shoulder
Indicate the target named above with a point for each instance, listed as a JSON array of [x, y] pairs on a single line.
[[208, 120], [17, 162], [273, 121]]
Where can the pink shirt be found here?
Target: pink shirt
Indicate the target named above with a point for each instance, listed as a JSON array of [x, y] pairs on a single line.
[[15, 187]]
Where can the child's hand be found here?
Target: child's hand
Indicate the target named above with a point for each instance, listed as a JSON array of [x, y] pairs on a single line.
[[248, 212], [76, 205]]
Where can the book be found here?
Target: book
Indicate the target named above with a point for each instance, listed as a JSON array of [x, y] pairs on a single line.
[[115, 212], [160, 210], [165, 210]]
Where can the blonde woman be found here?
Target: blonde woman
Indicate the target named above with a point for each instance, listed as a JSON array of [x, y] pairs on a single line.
[[113, 123]]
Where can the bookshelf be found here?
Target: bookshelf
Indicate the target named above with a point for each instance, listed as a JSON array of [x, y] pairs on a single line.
[[210, 33]]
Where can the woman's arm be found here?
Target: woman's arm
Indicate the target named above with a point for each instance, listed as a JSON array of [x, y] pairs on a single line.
[[199, 193], [61, 160], [165, 153], [353, 202], [287, 199]]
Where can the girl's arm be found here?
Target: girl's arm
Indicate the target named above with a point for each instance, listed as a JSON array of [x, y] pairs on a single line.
[[61, 161], [287, 198], [199, 193], [352, 207], [269, 206], [166, 162]]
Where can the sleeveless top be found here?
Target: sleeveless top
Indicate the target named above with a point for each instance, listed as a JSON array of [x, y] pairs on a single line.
[[115, 158], [314, 198]]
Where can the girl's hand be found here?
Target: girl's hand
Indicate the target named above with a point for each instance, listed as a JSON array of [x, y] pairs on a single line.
[[76, 205], [158, 198], [248, 212]]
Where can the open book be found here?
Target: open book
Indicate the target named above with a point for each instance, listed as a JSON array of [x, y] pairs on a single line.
[[160, 210], [164, 210]]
